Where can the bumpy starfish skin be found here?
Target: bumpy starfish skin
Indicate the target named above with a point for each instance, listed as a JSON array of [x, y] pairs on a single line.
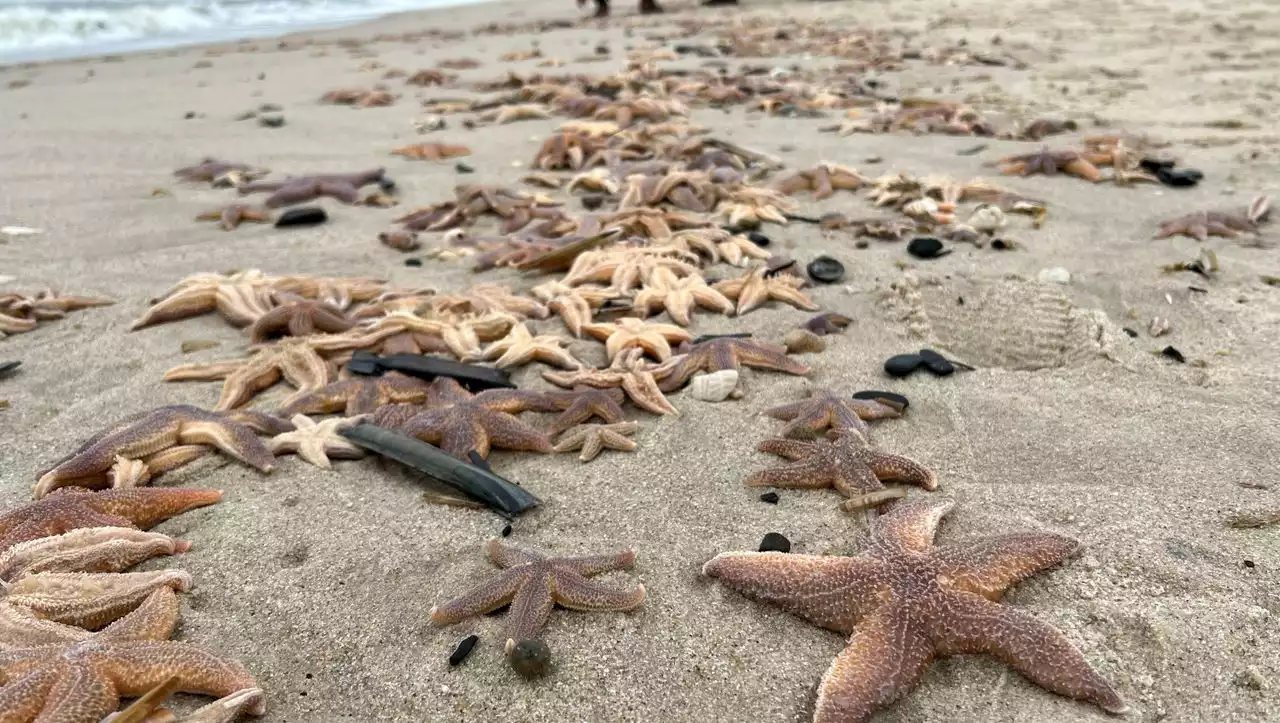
[[582, 404], [904, 602], [158, 430], [825, 410], [593, 439], [714, 355], [628, 333], [240, 298], [1050, 162], [317, 442], [296, 360], [842, 461], [82, 682], [75, 507], [533, 584], [359, 395], [297, 316], [755, 288], [87, 549], [460, 423], [521, 347], [223, 710], [628, 372]]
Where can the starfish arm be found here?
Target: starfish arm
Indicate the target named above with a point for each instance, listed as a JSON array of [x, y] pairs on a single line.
[[896, 468], [87, 549], [138, 666], [506, 556], [304, 369], [180, 305], [871, 410], [88, 695], [578, 593], [167, 460], [788, 448], [154, 619], [203, 372], [530, 608], [343, 395], [793, 296], [886, 657], [23, 697], [832, 592], [910, 525], [588, 565], [678, 370], [988, 566], [554, 355], [90, 601], [811, 421], [271, 322], [644, 391], [507, 432], [21, 627], [483, 598], [616, 440], [758, 356], [236, 440], [1033, 648], [148, 507], [787, 412], [228, 708], [242, 384], [514, 401]]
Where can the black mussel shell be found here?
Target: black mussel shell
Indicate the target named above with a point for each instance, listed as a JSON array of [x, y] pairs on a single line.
[[758, 239], [936, 363], [893, 400], [1173, 354], [902, 364], [9, 367], [926, 247], [304, 216], [774, 542], [413, 262], [1179, 177], [464, 649], [461, 167], [825, 269], [1155, 165]]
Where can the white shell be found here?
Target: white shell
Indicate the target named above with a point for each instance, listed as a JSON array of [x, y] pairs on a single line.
[[16, 231], [987, 218], [921, 207], [716, 386], [1055, 275]]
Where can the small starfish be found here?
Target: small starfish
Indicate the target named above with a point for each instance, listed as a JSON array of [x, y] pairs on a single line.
[[297, 360], [717, 354], [1203, 224], [520, 347], [230, 217], [80, 682], [826, 410], [435, 152], [628, 371], [513, 113], [628, 333], [359, 395], [756, 287], [298, 316], [240, 298], [904, 602], [210, 169], [824, 180], [150, 433], [344, 187], [593, 439], [1050, 163], [317, 442], [575, 304], [87, 549], [460, 423], [75, 507], [583, 403], [678, 296], [533, 584], [842, 461]]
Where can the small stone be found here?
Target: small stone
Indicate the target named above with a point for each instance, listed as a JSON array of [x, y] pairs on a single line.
[[387, 185], [592, 201], [758, 239], [1133, 334], [1173, 354], [530, 658], [926, 247], [270, 108], [1179, 178], [461, 167], [1002, 244], [414, 262], [271, 121], [246, 115], [936, 363], [803, 341], [825, 269], [304, 216], [1054, 275], [769, 497], [890, 398], [902, 364], [464, 649], [506, 531], [774, 542]]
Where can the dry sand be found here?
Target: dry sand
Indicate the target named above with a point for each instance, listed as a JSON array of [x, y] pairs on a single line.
[[320, 582]]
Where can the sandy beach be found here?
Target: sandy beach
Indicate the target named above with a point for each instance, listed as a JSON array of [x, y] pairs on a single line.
[[320, 582]]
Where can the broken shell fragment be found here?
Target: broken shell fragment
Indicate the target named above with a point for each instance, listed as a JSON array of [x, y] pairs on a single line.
[[988, 218], [716, 386]]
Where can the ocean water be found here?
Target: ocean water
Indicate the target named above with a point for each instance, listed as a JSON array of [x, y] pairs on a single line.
[[45, 29]]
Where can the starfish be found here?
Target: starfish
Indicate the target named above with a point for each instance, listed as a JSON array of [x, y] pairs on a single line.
[[344, 187], [359, 395], [575, 304], [824, 409], [487, 299], [756, 287], [716, 354], [625, 269], [1050, 162], [512, 113], [403, 332], [1203, 224], [519, 347], [628, 371], [460, 423], [317, 442], [74, 507], [80, 682], [210, 169], [678, 296], [842, 461], [628, 333], [297, 360], [229, 217], [824, 180], [149, 433], [240, 298], [298, 316], [904, 602], [226, 709], [55, 607], [431, 151], [583, 403], [533, 584], [593, 439], [87, 549]]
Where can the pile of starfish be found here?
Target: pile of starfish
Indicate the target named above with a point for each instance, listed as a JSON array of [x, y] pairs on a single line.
[[20, 313]]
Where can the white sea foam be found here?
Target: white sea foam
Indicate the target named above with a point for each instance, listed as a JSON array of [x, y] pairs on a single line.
[[48, 28]]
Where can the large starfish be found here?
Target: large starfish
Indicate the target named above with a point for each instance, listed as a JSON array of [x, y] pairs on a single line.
[[359, 395], [520, 347], [316, 442], [843, 461], [583, 403], [628, 333], [756, 287], [403, 332], [76, 507], [825, 410], [629, 372], [533, 584], [460, 423], [81, 682], [679, 296], [824, 180], [86, 549], [240, 298], [297, 360], [714, 355], [298, 316], [143, 436], [904, 602]]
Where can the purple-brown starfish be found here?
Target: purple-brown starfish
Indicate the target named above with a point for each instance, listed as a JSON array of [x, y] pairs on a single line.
[[904, 602], [843, 461], [359, 395], [825, 410], [459, 423], [299, 316], [1200, 225], [344, 187], [75, 507]]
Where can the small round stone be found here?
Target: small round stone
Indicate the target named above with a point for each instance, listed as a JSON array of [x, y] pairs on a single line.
[[530, 658], [413, 262], [1179, 177], [825, 269], [936, 363], [902, 364], [774, 542], [926, 247], [592, 201], [506, 531], [461, 167], [770, 497]]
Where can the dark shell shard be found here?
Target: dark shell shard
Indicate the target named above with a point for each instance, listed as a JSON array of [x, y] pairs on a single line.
[[890, 398], [473, 378], [902, 364], [305, 216], [463, 650], [936, 363], [775, 542]]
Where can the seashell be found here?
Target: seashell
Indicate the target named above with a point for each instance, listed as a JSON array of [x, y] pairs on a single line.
[[716, 386], [803, 341], [987, 217], [16, 231]]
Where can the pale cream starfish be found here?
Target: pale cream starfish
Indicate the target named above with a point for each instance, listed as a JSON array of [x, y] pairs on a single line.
[[627, 333], [756, 287], [519, 347], [86, 549], [575, 304], [624, 269], [678, 296], [593, 439], [316, 442], [297, 360], [629, 372]]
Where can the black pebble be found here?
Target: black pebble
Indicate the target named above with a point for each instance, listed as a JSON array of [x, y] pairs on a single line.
[[825, 269], [758, 239], [926, 247], [464, 649], [592, 201], [461, 167], [271, 121], [305, 216], [530, 658], [506, 531], [1155, 165], [770, 497], [936, 363], [1248, 563], [1173, 354], [902, 364], [1132, 334], [1179, 178], [413, 262], [189, 115], [1001, 245], [773, 542], [9, 367], [387, 185], [896, 400]]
